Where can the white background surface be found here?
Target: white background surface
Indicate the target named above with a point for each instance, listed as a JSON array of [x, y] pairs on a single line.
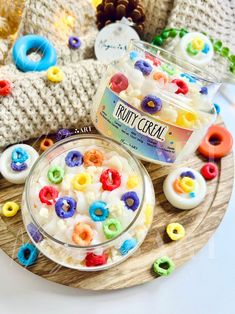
[[204, 285]]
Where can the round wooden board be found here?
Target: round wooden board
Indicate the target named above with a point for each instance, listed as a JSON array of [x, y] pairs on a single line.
[[200, 223]]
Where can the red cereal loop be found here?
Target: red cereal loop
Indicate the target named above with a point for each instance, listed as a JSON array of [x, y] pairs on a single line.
[[118, 82], [155, 60], [96, 260], [110, 179], [48, 195], [5, 88], [209, 171], [182, 86]]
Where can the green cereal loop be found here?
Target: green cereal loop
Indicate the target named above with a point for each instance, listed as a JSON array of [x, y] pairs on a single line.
[[191, 51], [55, 174], [108, 225], [163, 266], [169, 69]]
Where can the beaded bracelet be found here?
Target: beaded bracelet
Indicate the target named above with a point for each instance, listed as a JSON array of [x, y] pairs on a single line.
[[217, 44]]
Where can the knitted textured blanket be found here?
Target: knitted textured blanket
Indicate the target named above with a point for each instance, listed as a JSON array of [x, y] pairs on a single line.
[[36, 106]]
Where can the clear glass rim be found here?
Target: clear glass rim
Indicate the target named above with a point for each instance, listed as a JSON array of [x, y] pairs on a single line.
[[63, 142], [141, 44]]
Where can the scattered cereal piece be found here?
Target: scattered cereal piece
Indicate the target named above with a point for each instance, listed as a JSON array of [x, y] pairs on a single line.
[[27, 254], [163, 266], [175, 231]]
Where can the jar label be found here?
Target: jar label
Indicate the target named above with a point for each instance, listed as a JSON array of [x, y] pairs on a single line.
[[140, 133]]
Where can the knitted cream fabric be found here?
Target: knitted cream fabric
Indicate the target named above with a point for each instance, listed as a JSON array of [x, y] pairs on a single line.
[[156, 12], [38, 106], [57, 20]]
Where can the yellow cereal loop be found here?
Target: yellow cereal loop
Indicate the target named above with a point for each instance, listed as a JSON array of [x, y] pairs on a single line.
[[197, 43], [148, 214], [133, 181], [10, 209], [187, 184], [175, 231], [81, 180], [55, 74], [187, 119]]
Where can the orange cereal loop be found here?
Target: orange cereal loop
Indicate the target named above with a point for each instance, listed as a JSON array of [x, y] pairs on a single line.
[[93, 158], [177, 187], [160, 76], [46, 143], [82, 234]]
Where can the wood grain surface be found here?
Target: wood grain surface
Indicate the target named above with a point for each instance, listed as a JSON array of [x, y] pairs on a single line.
[[200, 223]]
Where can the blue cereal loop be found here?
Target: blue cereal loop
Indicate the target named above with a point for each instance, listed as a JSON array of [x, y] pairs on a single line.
[[19, 155], [98, 211], [206, 48], [28, 42], [192, 194], [190, 78], [217, 108], [127, 245], [133, 55], [27, 254]]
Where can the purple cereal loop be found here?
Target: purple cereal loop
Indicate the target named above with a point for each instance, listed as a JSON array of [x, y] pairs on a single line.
[[133, 197], [34, 232], [144, 67], [62, 134], [68, 202], [188, 174], [17, 166], [204, 90], [156, 104], [74, 42], [74, 159]]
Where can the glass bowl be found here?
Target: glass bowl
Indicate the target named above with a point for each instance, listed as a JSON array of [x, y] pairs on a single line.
[[53, 235]]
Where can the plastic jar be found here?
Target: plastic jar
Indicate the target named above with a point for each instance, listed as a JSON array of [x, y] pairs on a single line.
[[53, 235], [157, 105]]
